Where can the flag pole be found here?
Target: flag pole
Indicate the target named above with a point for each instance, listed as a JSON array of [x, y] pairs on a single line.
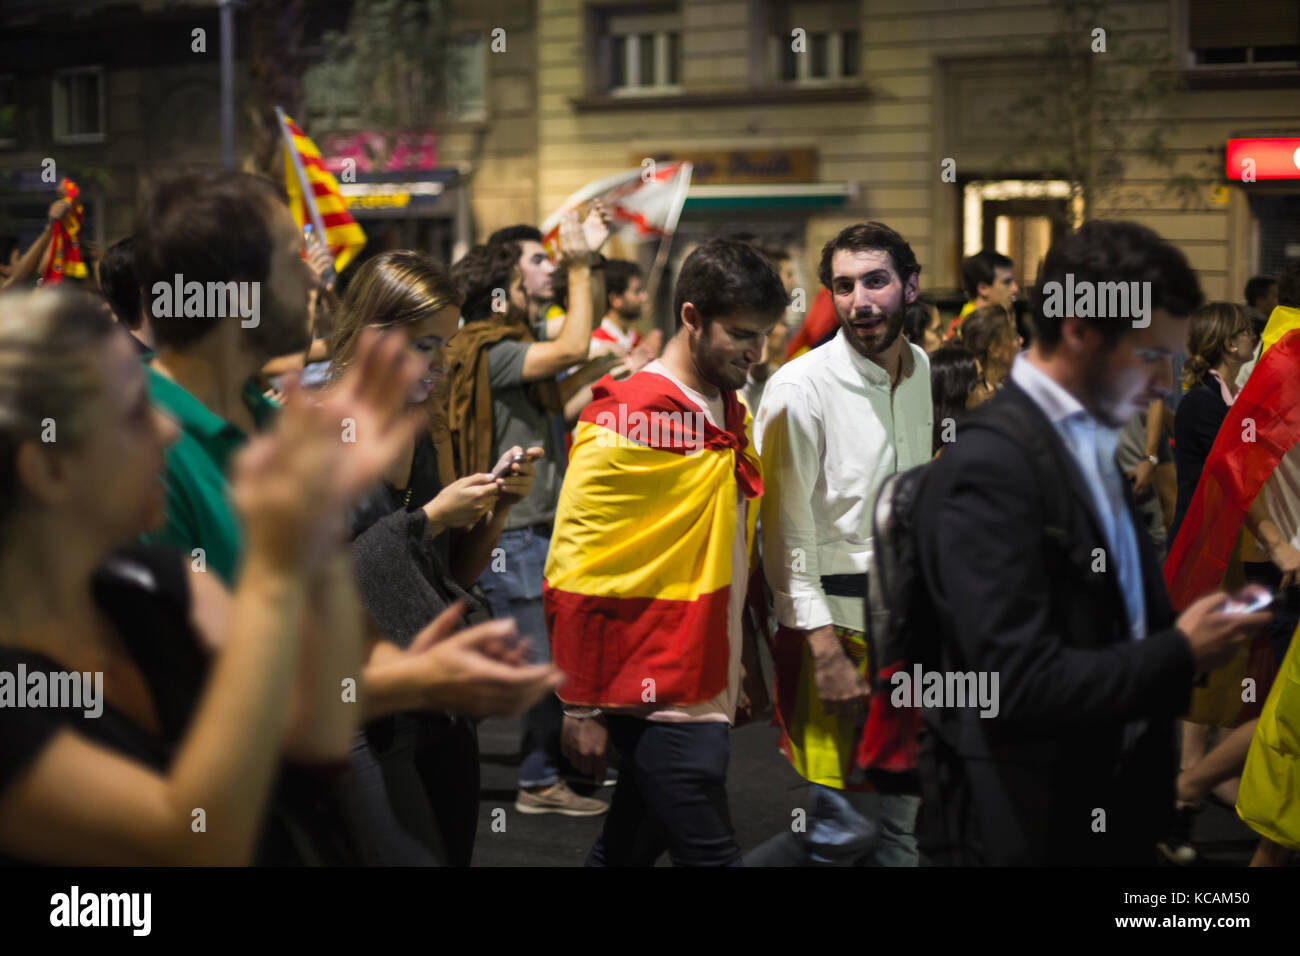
[[304, 186], [661, 256]]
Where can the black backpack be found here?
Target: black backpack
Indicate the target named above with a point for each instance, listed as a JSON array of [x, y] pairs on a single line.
[[901, 622]]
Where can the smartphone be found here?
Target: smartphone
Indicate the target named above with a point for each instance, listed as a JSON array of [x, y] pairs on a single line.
[[1259, 602], [504, 469]]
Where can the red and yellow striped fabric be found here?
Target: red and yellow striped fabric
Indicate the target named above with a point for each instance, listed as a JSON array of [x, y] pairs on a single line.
[[342, 234], [638, 576], [65, 240]]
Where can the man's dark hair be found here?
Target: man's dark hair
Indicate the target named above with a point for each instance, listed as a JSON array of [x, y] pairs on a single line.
[[1113, 251], [1288, 285], [118, 282], [516, 234], [479, 273], [207, 227], [866, 236], [724, 277], [618, 273], [1258, 287], [979, 269]]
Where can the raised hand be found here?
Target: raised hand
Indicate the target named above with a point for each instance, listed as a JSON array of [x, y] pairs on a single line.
[[572, 240], [595, 227], [292, 484]]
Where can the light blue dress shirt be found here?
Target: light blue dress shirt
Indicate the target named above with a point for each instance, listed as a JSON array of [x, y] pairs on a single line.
[[1092, 445]]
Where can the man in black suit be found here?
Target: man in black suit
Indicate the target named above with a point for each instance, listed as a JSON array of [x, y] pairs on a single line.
[[1047, 584]]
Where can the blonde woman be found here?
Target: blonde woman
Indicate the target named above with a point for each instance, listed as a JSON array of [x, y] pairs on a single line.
[[418, 547], [194, 698]]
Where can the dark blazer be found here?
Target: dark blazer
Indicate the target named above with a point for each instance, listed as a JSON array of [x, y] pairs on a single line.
[[1078, 765]]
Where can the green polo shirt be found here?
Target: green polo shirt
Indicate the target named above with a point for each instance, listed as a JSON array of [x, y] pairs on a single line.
[[199, 510]]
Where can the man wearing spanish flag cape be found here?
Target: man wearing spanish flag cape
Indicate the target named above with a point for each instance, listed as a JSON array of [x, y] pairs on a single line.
[[649, 561], [1252, 478]]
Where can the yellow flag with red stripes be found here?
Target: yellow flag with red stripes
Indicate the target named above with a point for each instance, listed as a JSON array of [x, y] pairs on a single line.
[[342, 234]]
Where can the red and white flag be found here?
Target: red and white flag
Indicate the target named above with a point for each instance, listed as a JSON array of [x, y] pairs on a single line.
[[642, 203]]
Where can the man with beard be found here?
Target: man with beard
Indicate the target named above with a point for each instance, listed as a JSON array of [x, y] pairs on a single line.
[[832, 426], [647, 574], [232, 228]]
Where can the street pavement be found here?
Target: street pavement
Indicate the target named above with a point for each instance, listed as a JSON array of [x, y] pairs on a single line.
[[762, 790]]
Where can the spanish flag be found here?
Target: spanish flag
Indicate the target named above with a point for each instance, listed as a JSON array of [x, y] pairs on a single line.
[[342, 233], [638, 578], [65, 240], [1262, 425]]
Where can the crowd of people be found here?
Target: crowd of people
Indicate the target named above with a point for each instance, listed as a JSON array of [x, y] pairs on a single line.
[[304, 551]]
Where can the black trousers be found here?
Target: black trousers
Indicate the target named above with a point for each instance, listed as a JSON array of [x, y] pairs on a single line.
[[431, 774], [671, 795]]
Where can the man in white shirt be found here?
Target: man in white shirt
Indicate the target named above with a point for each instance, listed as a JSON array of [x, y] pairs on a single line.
[[833, 424]]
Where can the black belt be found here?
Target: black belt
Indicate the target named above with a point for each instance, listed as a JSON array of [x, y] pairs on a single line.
[[844, 585]]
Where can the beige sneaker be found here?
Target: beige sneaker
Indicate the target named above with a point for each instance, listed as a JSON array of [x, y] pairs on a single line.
[[558, 798]]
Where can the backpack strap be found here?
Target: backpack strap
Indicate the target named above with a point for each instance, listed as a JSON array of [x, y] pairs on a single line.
[[1023, 428]]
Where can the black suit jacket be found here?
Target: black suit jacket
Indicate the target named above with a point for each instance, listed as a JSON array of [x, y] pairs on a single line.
[[1078, 765]]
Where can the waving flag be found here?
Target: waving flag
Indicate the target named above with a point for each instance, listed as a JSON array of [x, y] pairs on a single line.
[[314, 195], [642, 202], [65, 240], [1262, 425], [638, 576]]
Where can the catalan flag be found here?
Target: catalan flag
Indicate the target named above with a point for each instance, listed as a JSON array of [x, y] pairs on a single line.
[[325, 207], [638, 576], [65, 240]]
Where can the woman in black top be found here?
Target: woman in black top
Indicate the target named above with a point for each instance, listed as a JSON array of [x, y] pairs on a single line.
[[204, 693], [418, 548], [1220, 339]]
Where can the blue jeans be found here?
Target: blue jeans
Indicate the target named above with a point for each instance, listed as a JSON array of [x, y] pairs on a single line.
[[847, 828], [516, 591]]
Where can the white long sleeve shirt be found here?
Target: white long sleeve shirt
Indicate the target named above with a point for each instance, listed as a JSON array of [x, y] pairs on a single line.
[[830, 430]]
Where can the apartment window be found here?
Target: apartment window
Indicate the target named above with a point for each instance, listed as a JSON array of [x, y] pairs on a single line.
[[815, 42], [1219, 35], [8, 110], [644, 51], [79, 105], [467, 77]]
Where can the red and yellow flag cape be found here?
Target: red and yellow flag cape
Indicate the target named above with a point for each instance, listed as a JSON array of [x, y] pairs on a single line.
[[638, 576]]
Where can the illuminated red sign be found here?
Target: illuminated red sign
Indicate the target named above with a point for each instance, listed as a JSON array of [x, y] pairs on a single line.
[[1253, 159]]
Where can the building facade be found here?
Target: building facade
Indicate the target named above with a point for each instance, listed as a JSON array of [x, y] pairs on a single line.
[[814, 115]]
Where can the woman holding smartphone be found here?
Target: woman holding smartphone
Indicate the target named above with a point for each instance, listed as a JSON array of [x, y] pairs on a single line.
[[418, 547]]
